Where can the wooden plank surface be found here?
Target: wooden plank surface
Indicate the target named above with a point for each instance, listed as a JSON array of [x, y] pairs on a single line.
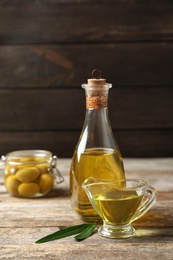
[[72, 20], [123, 64], [152, 143], [53, 119], [23, 221], [59, 109]]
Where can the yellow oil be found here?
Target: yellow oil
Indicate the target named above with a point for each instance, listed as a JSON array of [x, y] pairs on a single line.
[[117, 208], [96, 162]]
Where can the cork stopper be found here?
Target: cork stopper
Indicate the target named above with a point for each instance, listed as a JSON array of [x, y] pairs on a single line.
[[96, 81], [96, 91]]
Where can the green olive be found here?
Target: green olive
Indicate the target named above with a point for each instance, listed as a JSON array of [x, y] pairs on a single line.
[[28, 174], [11, 184], [43, 167], [46, 182], [28, 189]]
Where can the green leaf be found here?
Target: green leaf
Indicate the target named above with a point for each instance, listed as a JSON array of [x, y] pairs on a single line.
[[85, 233], [64, 232]]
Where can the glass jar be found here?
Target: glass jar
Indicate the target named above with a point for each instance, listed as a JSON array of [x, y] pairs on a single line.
[[30, 173]]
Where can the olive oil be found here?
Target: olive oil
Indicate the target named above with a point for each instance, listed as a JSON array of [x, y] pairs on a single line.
[[96, 162], [116, 208]]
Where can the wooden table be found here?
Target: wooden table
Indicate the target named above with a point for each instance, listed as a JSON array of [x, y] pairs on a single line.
[[23, 221]]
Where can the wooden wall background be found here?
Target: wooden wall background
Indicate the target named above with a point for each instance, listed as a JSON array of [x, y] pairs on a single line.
[[48, 49]]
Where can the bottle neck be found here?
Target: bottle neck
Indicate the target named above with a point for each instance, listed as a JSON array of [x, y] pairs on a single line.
[[96, 95], [97, 130], [96, 102], [97, 119]]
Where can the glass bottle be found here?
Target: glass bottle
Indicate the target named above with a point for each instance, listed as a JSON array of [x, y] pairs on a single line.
[[96, 153]]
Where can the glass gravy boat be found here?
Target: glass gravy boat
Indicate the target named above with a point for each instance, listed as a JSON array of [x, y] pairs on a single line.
[[119, 203]]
